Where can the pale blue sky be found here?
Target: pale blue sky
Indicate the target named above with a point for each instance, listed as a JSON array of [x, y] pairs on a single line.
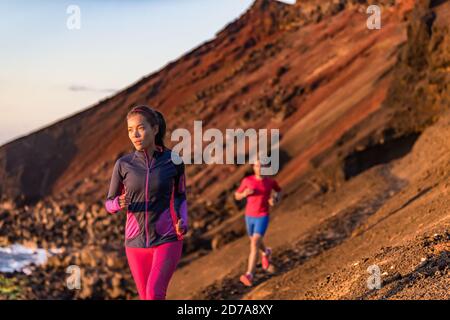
[[49, 72]]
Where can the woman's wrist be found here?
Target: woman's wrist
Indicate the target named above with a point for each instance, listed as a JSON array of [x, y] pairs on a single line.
[[112, 206]]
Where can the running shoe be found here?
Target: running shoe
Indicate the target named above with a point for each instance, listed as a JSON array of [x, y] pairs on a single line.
[[247, 279], [265, 259]]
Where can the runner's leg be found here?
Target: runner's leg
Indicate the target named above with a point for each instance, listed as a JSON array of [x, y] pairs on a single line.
[[250, 225], [262, 246], [165, 261], [254, 248], [261, 228], [140, 263]]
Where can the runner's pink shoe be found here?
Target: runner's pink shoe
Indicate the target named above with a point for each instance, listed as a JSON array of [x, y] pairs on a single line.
[[265, 258], [247, 279]]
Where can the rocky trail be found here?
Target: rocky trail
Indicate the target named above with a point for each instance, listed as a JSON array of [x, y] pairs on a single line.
[[330, 258], [328, 233]]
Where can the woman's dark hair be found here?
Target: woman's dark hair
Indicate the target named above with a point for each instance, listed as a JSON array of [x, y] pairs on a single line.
[[154, 118]]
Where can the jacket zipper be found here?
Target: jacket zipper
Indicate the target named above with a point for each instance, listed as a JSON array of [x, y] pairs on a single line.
[[146, 197]]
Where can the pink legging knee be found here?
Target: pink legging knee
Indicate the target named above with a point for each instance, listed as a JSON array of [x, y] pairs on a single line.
[[152, 268]]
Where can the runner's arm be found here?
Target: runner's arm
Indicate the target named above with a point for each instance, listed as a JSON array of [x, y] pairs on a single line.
[[240, 192], [276, 187], [239, 195], [116, 188], [180, 199]]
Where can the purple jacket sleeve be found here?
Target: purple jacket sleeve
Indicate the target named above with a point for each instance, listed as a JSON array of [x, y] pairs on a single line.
[[180, 199], [115, 189]]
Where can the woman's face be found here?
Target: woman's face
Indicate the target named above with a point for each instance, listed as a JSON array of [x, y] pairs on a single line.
[[257, 167], [140, 132]]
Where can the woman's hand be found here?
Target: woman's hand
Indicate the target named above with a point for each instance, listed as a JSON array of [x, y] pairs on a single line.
[[273, 200], [124, 200], [241, 195], [248, 192], [179, 227]]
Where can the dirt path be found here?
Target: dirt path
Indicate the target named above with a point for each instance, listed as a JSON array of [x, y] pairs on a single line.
[[327, 234], [395, 216], [408, 238], [295, 236]]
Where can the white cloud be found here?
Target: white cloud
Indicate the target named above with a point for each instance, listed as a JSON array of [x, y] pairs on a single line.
[[288, 1]]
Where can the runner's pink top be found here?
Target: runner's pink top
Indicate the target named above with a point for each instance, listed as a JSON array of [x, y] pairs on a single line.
[[258, 202]]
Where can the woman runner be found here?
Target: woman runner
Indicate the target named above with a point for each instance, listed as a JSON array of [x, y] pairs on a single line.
[[258, 191], [152, 189]]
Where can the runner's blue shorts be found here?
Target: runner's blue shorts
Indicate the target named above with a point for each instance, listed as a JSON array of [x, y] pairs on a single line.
[[256, 225]]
